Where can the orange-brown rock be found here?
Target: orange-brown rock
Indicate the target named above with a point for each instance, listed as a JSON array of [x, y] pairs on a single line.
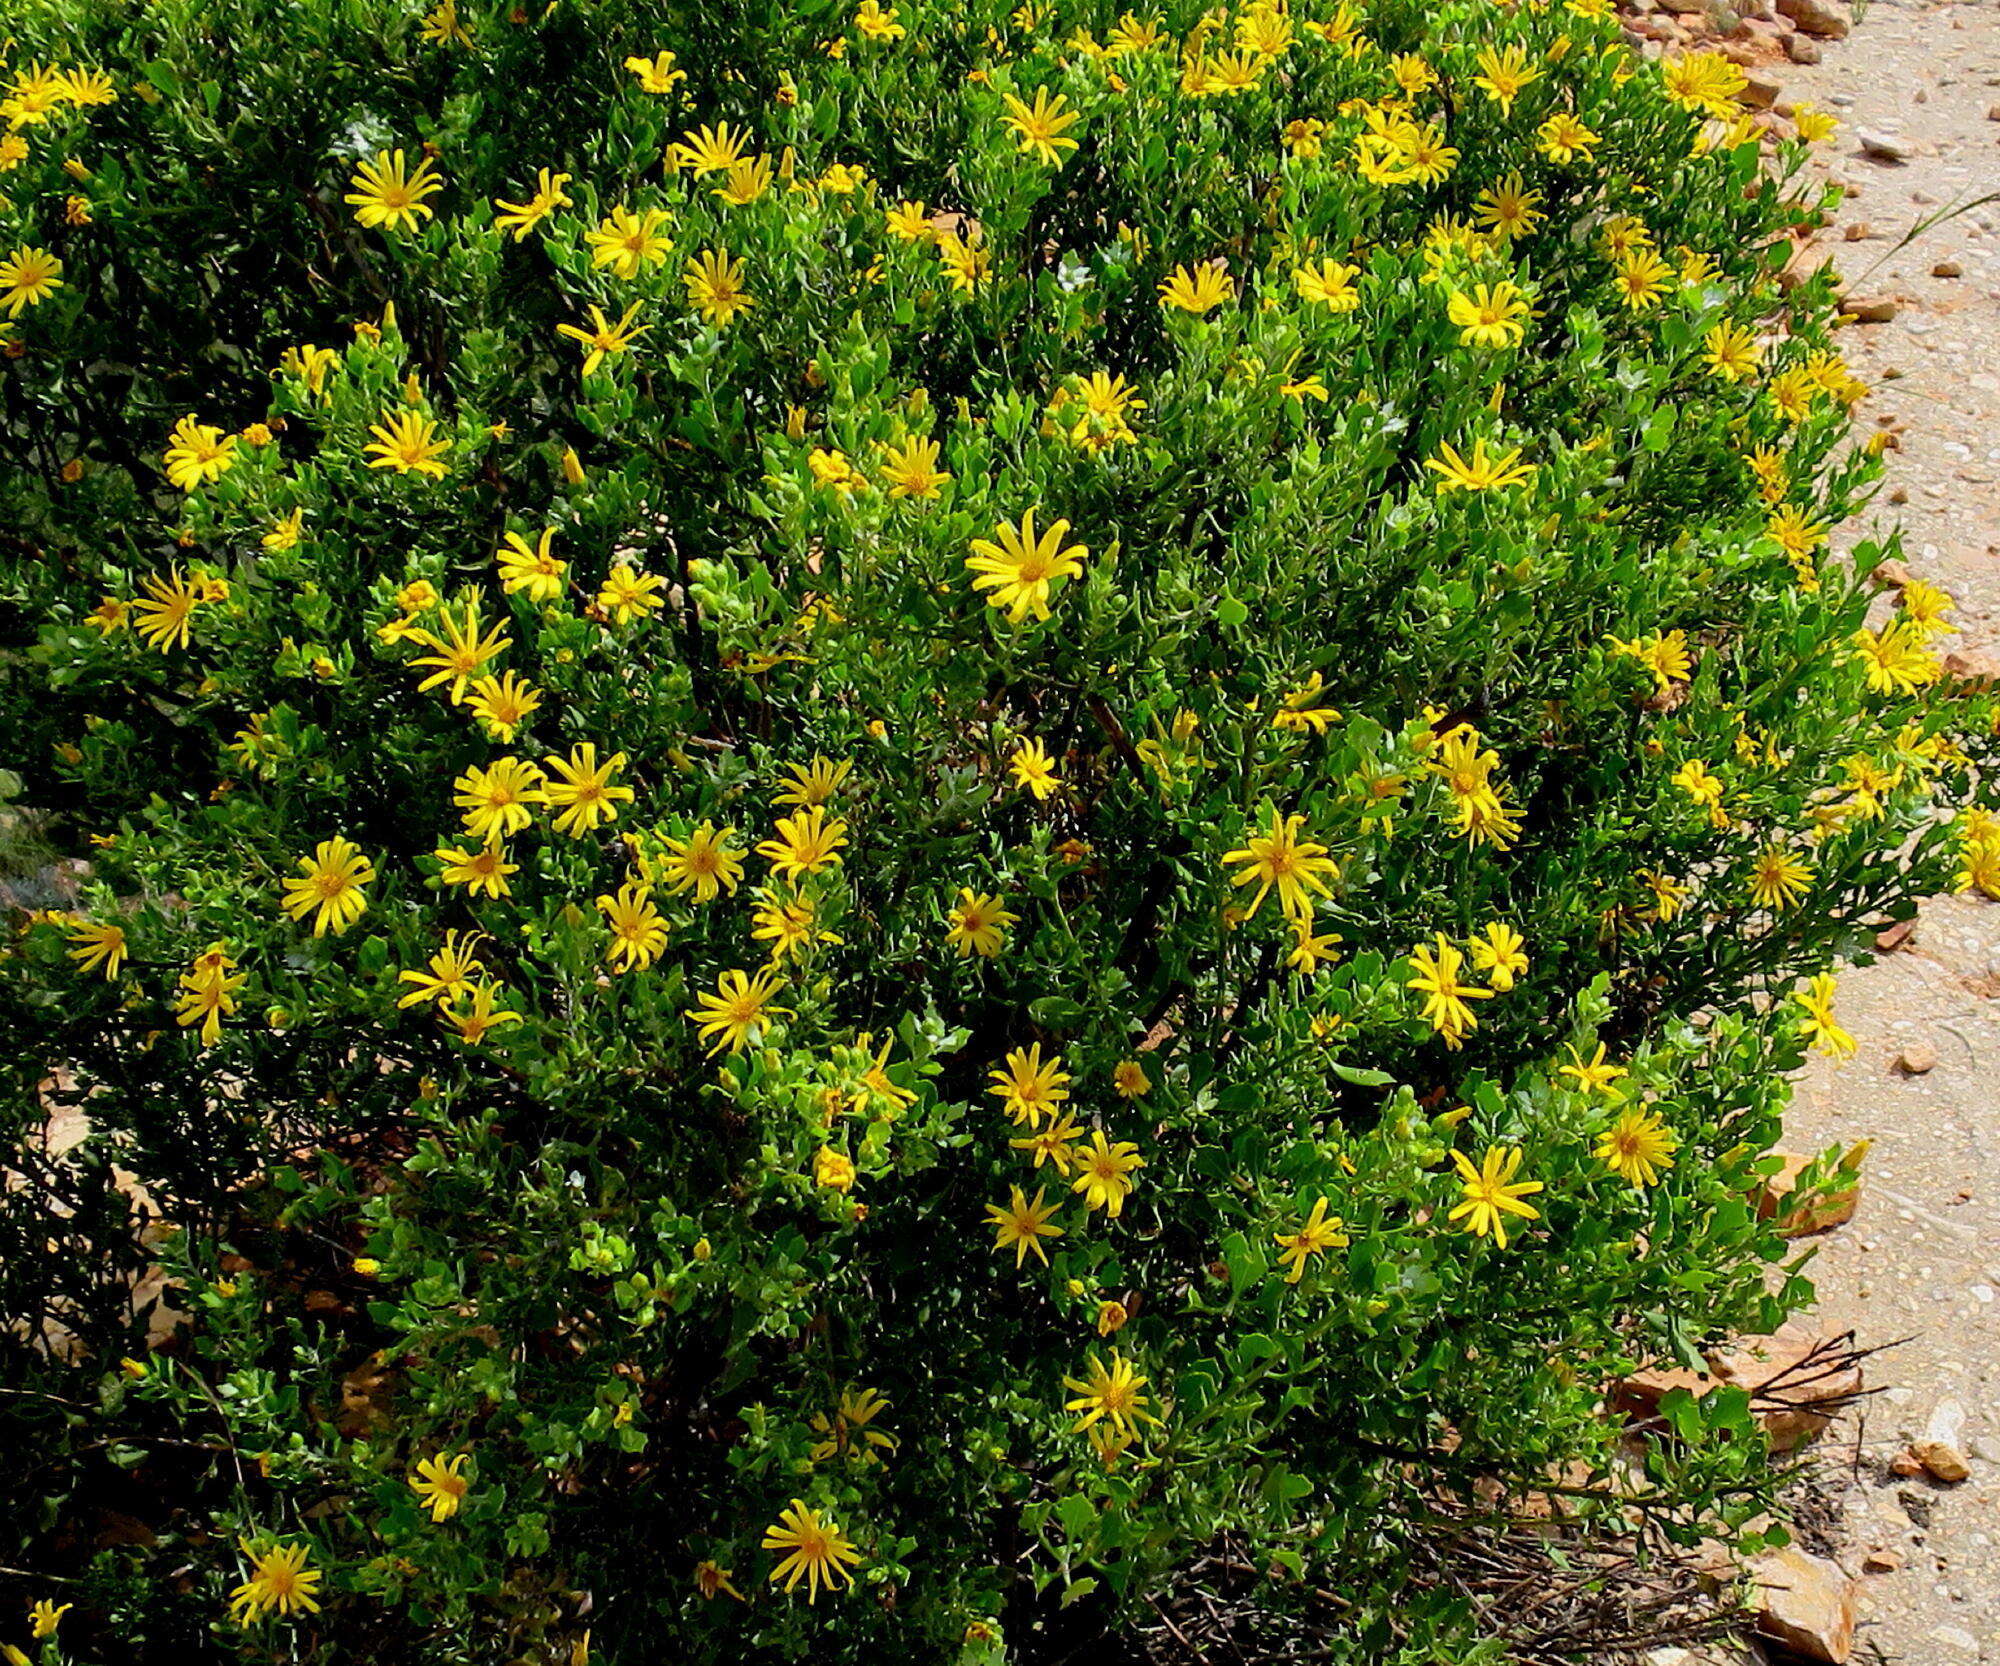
[[1805, 1604], [1797, 1220], [1972, 669], [1797, 1378]]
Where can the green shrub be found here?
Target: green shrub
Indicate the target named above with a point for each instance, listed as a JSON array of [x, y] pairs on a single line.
[[1186, 642]]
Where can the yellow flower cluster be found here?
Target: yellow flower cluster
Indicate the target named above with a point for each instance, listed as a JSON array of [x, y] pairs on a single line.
[[1479, 806], [1979, 853], [1034, 1091]]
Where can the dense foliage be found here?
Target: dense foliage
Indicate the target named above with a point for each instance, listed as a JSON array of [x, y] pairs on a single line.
[[876, 813]]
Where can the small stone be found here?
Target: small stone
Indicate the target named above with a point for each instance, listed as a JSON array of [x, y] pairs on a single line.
[[1947, 269], [1906, 1464], [1805, 1603], [1873, 310], [1957, 1638], [1759, 92], [1882, 1560], [1816, 17], [1919, 1058], [1889, 943], [1899, 494], [1890, 574], [1800, 1381], [1639, 1395], [1940, 1461], [1892, 1515], [1857, 231], [1799, 1220], [1972, 669], [1993, 112], [1803, 49], [1883, 147]]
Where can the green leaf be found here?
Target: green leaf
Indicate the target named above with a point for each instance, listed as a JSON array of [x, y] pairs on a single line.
[[1254, 1349], [1077, 1514], [1244, 1260]]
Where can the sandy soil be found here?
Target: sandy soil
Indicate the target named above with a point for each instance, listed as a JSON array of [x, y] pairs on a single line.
[[1921, 1260]]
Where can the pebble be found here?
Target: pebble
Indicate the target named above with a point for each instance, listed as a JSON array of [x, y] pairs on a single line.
[[1803, 49], [1891, 1514], [1884, 147], [1947, 269], [1759, 92], [1816, 17], [1940, 1461], [1956, 1637], [1917, 1059]]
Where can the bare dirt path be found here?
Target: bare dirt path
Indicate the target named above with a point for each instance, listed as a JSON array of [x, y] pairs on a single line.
[[1921, 1260]]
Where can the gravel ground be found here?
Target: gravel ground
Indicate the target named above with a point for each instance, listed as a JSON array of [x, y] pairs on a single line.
[[1921, 1260]]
